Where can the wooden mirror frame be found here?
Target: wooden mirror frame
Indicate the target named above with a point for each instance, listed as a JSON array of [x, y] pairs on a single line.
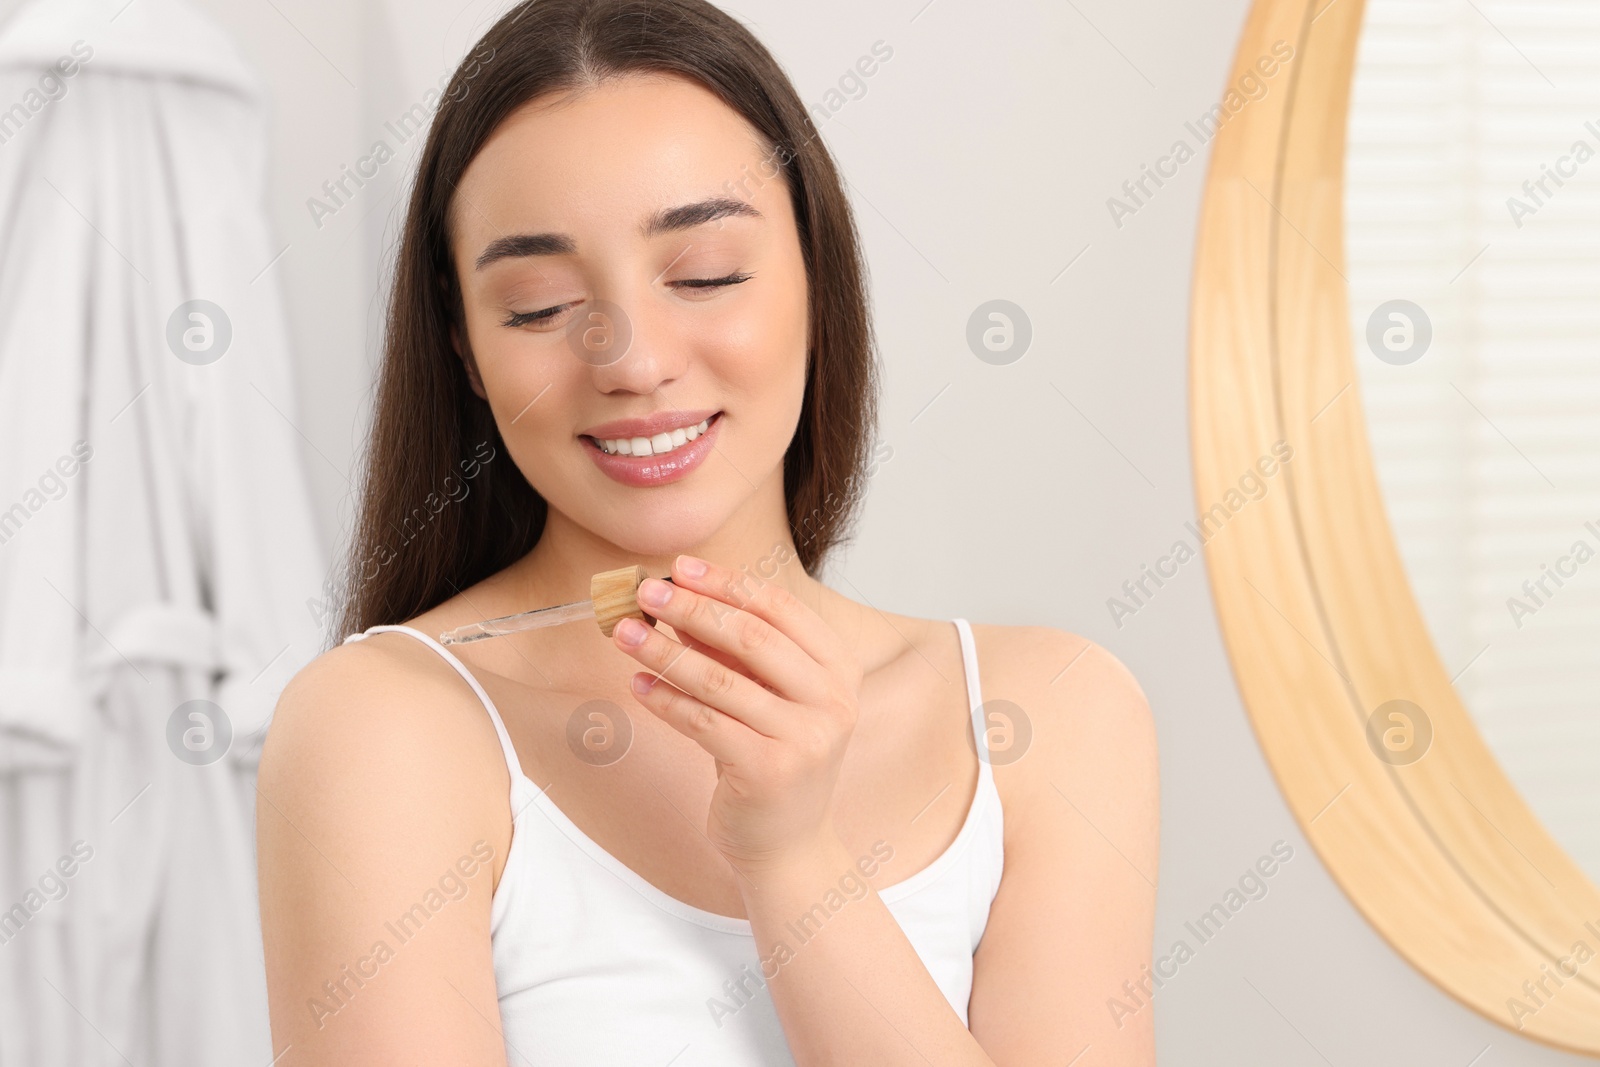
[[1441, 855]]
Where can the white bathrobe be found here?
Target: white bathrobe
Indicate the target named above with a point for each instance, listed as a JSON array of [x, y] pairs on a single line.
[[156, 536]]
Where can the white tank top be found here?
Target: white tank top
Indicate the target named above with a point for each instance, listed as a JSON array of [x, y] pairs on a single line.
[[594, 965]]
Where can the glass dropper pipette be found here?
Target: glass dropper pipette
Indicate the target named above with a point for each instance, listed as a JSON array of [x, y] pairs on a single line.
[[613, 597]]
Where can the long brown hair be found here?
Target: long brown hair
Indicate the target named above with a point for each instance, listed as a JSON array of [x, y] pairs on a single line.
[[416, 542]]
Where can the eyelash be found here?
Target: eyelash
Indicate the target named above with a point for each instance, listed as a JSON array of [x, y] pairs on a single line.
[[523, 318]]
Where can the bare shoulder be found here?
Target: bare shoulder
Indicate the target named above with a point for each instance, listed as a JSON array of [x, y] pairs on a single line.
[[1082, 714], [383, 709], [381, 794], [385, 733], [1074, 916]]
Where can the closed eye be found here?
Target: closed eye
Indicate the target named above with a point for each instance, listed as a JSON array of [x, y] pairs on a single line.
[[709, 283], [525, 318]]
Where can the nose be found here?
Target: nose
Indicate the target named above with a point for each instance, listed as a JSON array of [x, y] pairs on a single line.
[[626, 347]]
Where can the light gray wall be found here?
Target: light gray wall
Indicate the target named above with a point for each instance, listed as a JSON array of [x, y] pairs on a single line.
[[980, 161]]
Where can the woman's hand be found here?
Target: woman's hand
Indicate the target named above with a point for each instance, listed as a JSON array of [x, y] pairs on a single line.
[[765, 686]]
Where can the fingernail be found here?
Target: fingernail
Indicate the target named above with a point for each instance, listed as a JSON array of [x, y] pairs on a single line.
[[654, 592], [642, 683], [693, 566], [631, 631]]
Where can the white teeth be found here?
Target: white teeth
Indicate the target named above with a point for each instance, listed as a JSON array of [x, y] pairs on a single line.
[[654, 446]]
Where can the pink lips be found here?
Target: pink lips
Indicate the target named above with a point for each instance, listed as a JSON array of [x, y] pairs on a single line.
[[644, 471]]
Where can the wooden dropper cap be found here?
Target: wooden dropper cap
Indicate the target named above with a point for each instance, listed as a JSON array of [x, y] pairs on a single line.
[[616, 597]]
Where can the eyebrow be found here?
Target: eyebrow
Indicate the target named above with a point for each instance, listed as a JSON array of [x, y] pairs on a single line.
[[667, 220]]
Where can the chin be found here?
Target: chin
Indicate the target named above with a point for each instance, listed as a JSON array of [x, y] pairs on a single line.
[[647, 531]]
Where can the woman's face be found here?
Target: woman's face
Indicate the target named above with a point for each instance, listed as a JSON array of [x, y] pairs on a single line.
[[630, 253]]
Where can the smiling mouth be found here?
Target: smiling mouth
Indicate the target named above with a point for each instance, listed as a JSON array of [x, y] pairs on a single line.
[[661, 444]]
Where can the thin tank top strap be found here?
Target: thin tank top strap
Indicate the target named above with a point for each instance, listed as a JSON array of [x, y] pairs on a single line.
[[980, 725], [513, 764]]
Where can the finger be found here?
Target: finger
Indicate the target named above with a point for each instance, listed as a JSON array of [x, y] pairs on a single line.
[[720, 734], [748, 640], [727, 659], [762, 651], [701, 677], [773, 603]]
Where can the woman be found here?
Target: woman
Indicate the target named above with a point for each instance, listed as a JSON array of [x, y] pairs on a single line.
[[629, 326]]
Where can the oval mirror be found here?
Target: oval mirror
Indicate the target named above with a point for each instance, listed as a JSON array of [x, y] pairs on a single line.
[[1417, 353]]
